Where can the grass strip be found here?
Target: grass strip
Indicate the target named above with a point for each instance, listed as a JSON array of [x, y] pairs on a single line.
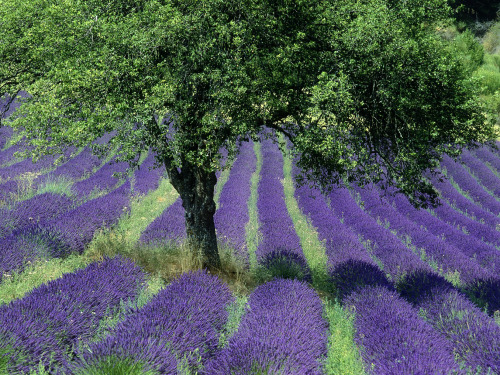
[[343, 355], [236, 311]]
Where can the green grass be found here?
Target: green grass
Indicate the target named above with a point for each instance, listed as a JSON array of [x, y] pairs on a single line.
[[59, 185], [343, 355], [236, 311], [113, 365]]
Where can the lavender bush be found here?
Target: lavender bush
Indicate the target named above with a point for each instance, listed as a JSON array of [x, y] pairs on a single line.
[[283, 332], [455, 199], [48, 322], [37, 209], [169, 226], [397, 259], [445, 256], [76, 227], [27, 165], [485, 176], [101, 180], [77, 167], [5, 134], [470, 185], [474, 335], [488, 155], [187, 316], [486, 255], [146, 178], [393, 339]]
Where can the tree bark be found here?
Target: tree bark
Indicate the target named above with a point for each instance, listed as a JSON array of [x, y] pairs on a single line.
[[196, 188]]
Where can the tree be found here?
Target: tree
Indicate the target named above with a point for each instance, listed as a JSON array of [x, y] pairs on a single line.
[[365, 90]]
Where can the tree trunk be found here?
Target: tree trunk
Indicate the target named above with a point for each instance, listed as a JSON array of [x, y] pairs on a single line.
[[196, 188]]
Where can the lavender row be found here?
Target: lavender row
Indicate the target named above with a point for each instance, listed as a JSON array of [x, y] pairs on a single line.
[[27, 166], [5, 134], [76, 168], [469, 184], [393, 339], [397, 259], [9, 189], [147, 178], [475, 336], [283, 332], [184, 320], [280, 242], [475, 229], [232, 214], [7, 155], [485, 176], [447, 257], [455, 199], [168, 227], [489, 156], [486, 255], [37, 209], [53, 318], [65, 233], [77, 227], [101, 180]]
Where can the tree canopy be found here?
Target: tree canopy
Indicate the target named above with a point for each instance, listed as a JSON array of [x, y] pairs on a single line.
[[365, 90]]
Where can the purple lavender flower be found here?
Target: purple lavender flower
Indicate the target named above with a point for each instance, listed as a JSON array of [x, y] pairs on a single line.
[[8, 189], [146, 178], [488, 155], [341, 243], [486, 255], [5, 133], [27, 166], [101, 180], [26, 245], [474, 335], [485, 293], [283, 332], [446, 256], [169, 226], [470, 185], [53, 318], [76, 227], [397, 259], [393, 339], [486, 177], [276, 226], [152, 353], [8, 154], [37, 209], [454, 198], [232, 215], [77, 167], [188, 316]]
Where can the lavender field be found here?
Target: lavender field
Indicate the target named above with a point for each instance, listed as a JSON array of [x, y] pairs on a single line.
[[366, 284]]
